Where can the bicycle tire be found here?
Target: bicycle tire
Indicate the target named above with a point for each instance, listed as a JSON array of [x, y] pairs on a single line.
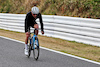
[[36, 49], [29, 49]]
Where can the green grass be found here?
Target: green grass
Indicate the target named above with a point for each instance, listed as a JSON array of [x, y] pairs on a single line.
[[74, 8]]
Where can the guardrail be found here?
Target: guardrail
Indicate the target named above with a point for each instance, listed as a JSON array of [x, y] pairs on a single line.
[[82, 30]]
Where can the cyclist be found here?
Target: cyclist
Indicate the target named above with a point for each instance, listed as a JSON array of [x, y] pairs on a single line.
[[30, 21]]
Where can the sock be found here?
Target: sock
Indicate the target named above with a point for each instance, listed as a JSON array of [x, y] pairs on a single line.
[[26, 46]]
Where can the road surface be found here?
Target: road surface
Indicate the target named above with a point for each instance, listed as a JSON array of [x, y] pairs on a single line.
[[12, 55]]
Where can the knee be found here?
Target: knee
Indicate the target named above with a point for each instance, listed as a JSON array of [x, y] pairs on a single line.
[[36, 26], [27, 34]]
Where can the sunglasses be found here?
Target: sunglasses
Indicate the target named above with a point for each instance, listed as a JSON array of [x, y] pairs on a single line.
[[34, 14]]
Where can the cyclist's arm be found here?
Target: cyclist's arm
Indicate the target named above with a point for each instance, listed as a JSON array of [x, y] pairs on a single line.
[[41, 22], [26, 23]]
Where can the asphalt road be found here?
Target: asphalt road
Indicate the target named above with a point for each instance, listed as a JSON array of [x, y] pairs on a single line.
[[12, 55]]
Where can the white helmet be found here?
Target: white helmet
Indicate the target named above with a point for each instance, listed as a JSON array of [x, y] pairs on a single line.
[[35, 10]]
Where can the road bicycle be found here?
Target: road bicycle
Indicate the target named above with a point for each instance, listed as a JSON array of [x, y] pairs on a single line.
[[33, 45]]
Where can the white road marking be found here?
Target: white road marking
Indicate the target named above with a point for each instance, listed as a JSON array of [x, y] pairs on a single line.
[[56, 51]]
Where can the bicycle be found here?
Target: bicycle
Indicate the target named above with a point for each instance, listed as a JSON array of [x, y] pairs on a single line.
[[33, 45]]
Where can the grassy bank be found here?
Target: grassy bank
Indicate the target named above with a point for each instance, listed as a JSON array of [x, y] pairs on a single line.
[[70, 47], [74, 8]]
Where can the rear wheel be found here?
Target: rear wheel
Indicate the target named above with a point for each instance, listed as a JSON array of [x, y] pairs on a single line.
[[29, 48]]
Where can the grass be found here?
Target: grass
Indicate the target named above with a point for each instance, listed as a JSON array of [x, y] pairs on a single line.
[[74, 8], [70, 47]]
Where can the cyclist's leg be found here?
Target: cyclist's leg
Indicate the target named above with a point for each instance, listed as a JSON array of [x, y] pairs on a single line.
[[36, 28], [26, 42], [27, 36]]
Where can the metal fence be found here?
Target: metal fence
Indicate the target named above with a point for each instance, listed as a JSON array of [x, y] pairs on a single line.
[[81, 30]]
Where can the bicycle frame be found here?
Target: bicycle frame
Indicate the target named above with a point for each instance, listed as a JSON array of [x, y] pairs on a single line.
[[33, 45], [32, 39], [35, 36]]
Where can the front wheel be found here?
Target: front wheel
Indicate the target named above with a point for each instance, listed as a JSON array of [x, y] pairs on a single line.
[[36, 49]]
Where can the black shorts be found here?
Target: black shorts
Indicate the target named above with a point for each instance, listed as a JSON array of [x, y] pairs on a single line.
[[32, 25], [27, 27]]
